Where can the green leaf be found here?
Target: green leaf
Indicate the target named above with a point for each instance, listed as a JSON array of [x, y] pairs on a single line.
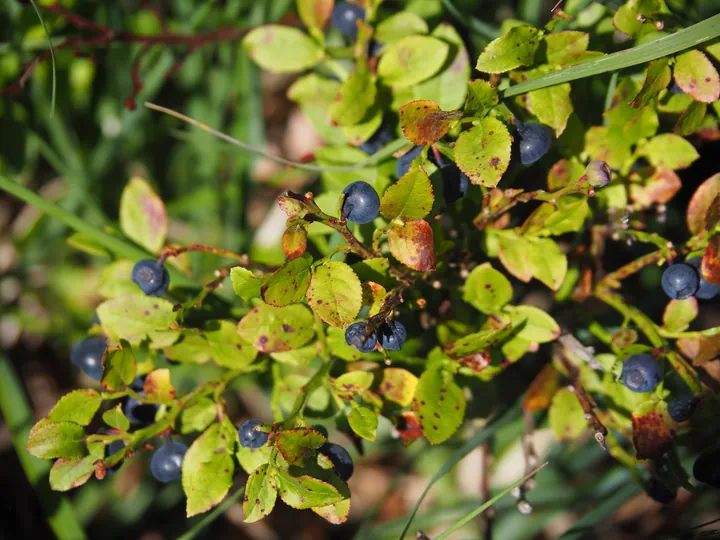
[[87, 244], [634, 124], [116, 279], [227, 348], [272, 329], [305, 491], [566, 48], [398, 26], [282, 49], [363, 421], [538, 326], [549, 263], [336, 513], [607, 144], [158, 386], [56, 440], [552, 106], [119, 367], [697, 76], [79, 407], [440, 405], [478, 341], [67, 474], [315, 13], [198, 416], [245, 284], [260, 494], [657, 78], [412, 245], [412, 60], [142, 215], [335, 293], [481, 97], [132, 317], [296, 444], [410, 198], [191, 349], [569, 217], [207, 471], [679, 314], [698, 210], [567, 418], [398, 385], [483, 152], [512, 252], [668, 151], [252, 458], [631, 18], [288, 284], [691, 119], [486, 289], [353, 381], [424, 123], [514, 49], [356, 96], [115, 418]]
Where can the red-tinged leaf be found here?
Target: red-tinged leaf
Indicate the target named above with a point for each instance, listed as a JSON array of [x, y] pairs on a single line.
[[412, 245], [711, 261], [292, 207], [277, 329], [700, 350], [408, 426], [315, 13], [398, 385], [483, 152], [702, 200], [334, 513], [142, 215], [543, 388], [294, 241], [158, 385], [651, 435], [296, 444], [712, 217], [624, 338], [424, 123], [660, 188], [67, 474], [697, 76], [476, 362]]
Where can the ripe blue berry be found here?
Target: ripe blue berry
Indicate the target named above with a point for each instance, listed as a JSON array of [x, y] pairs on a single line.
[[340, 459], [682, 407], [152, 277], [402, 165], [660, 492], [345, 16], [535, 141], [87, 356], [674, 88], [680, 281], [249, 436], [377, 140], [706, 468], [706, 290], [392, 335], [357, 335], [138, 383], [140, 414], [322, 429], [166, 462], [113, 448], [641, 373], [361, 204], [455, 183]]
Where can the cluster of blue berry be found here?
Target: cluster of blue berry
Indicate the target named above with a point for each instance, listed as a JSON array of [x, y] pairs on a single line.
[[683, 280]]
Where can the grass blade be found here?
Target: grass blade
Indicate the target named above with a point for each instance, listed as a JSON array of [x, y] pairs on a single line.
[[504, 418], [52, 57], [472, 515], [584, 526], [18, 415], [686, 38]]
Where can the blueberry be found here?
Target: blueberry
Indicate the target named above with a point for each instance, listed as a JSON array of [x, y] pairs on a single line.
[[455, 183], [706, 290], [674, 88], [140, 414], [322, 429], [345, 16], [357, 336], [361, 204], [402, 166], [377, 140], [660, 492], [151, 276], [392, 335], [535, 141], [87, 356], [249, 436], [706, 468], [340, 459], [138, 383], [641, 373], [375, 48], [111, 449], [166, 462], [682, 407], [680, 281], [598, 173]]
